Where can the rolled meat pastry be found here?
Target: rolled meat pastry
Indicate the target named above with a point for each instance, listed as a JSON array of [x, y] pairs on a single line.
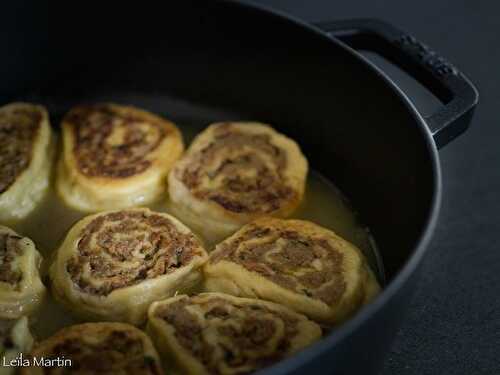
[[296, 263], [233, 173], [21, 289], [215, 333], [115, 156], [96, 348], [112, 265], [26, 151], [15, 338]]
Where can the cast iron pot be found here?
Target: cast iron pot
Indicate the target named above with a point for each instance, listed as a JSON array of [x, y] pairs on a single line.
[[198, 62]]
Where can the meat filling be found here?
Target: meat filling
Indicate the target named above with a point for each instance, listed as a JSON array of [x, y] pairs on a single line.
[[9, 251], [18, 130], [310, 266], [246, 335], [110, 352], [110, 144], [124, 248], [239, 171]]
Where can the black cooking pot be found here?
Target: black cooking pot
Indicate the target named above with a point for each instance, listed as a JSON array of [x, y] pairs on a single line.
[[204, 61]]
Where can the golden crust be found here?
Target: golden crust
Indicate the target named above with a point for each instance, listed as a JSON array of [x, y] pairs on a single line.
[[100, 348], [296, 263], [112, 265], [26, 149], [21, 289], [233, 173], [115, 156], [214, 333]]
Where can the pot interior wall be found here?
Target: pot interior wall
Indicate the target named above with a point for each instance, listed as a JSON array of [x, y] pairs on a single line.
[[353, 128]]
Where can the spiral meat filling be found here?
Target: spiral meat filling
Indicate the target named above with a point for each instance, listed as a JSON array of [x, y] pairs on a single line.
[[116, 350], [9, 251], [21, 289], [240, 329], [297, 263], [307, 265], [109, 143], [123, 248], [18, 129], [110, 348], [113, 265], [233, 335], [242, 172]]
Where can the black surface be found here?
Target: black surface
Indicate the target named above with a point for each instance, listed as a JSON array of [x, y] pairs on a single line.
[[454, 323], [458, 95]]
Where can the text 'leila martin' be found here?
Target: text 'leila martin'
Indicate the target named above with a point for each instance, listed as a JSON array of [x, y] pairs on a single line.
[[21, 361]]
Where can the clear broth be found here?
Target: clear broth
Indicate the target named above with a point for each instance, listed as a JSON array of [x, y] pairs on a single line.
[[48, 224]]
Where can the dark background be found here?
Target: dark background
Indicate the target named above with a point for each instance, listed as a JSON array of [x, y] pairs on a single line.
[[454, 322]]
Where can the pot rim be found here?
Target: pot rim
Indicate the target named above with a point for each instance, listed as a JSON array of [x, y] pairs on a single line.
[[421, 245]]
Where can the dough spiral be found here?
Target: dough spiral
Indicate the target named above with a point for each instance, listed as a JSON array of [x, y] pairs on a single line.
[[296, 263], [235, 172], [214, 333], [115, 156], [25, 159], [98, 348], [112, 265], [21, 289]]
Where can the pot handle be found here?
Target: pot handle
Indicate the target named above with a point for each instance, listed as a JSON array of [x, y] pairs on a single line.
[[457, 93]]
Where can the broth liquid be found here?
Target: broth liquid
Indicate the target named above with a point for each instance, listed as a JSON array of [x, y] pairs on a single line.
[[47, 226]]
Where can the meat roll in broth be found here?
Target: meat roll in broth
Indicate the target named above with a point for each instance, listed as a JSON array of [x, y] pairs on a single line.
[[26, 150], [233, 173], [21, 289], [214, 333], [112, 265], [296, 263], [97, 348], [115, 157]]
